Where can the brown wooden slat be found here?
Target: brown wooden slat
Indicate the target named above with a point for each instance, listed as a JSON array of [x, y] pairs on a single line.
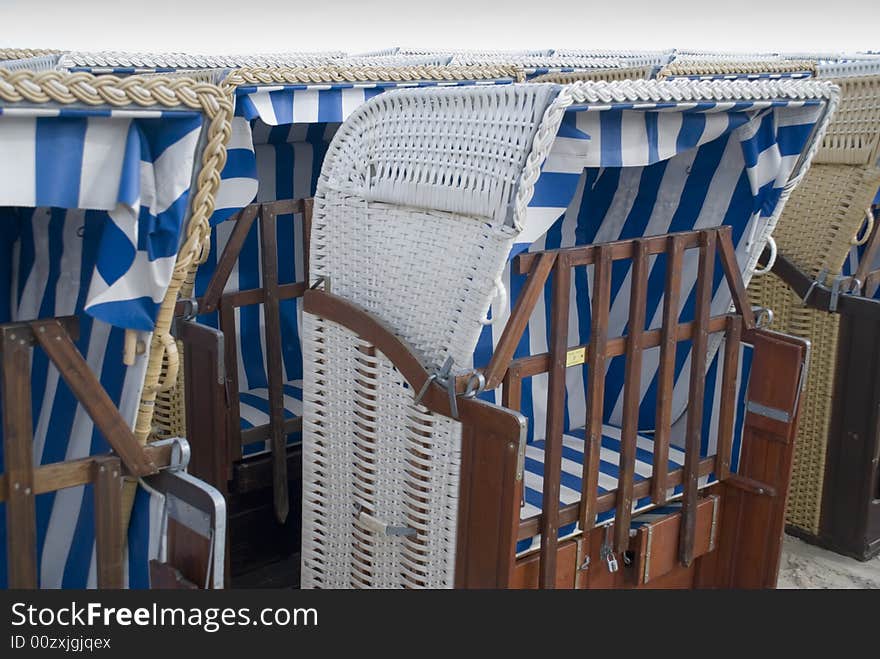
[[258, 295], [555, 421], [728, 396], [226, 317], [631, 396], [696, 391], [275, 381], [734, 277], [666, 369], [262, 433], [71, 473], [601, 303], [244, 220], [571, 513], [283, 207], [519, 318], [622, 249], [21, 529], [91, 395], [107, 477], [535, 364], [511, 399]]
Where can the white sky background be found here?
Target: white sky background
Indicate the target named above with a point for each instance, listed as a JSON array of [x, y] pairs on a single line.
[[239, 26]]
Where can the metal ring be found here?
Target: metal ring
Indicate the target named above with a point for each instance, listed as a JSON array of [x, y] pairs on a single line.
[[475, 384], [763, 317], [869, 228], [758, 272]]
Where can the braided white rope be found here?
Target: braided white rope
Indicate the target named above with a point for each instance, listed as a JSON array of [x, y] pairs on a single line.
[[397, 60], [477, 53], [627, 57], [193, 61], [848, 69], [37, 64], [534, 62]]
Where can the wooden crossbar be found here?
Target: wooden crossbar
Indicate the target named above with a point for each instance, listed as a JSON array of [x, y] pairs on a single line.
[[558, 265], [22, 481]]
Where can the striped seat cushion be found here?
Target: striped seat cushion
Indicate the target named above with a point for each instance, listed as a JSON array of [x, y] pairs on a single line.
[[572, 469], [254, 412]]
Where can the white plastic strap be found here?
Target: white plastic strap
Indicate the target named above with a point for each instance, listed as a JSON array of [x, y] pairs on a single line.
[[767, 268], [498, 301]]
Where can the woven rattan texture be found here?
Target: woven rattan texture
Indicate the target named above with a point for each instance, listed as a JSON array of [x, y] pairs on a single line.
[[824, 214], [821, 328], [853, 138]]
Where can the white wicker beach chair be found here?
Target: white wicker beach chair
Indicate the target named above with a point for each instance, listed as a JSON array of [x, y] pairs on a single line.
[[421, 199]]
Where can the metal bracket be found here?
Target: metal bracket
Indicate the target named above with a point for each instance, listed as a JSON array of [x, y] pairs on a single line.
[[766, 411], [323, 280], [837, 289], [444, 378], [198, 506], [763, 317], [180, 452], [376, 525], [191, 308]]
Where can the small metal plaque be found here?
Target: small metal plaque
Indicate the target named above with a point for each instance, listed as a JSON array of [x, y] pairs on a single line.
[[576, 357]]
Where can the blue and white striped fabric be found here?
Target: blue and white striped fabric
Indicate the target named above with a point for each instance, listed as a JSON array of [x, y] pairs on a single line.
[[765, 75], [93, 205], [573, 453], [618, 172], [287, 161], [47, 256], [136, 166]]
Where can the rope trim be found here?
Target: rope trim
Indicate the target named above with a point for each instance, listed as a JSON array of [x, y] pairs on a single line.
[[729, 67], [325, 74], [196, 61], [69, 88], [25, 53]]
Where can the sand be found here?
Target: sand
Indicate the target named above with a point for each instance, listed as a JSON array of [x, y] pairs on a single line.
[[806, 566]]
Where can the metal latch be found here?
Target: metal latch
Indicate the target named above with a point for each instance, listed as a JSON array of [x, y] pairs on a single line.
[[376, 525], [606, 552]]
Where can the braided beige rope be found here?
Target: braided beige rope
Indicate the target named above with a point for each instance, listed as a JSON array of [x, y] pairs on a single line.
[[330, 74], [65, 88], [25, 53], [700, 67], [596, 75]]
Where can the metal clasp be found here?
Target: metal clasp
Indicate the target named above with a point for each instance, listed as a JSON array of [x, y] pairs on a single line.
[[606, 552]]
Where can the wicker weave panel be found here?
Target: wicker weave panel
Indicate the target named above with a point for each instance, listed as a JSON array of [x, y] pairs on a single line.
[[169, 418], [853, 136], [824, 214], [821, 328]]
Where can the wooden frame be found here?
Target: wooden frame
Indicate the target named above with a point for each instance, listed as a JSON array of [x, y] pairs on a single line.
[[22, 481], [486, 550], [270, 294]]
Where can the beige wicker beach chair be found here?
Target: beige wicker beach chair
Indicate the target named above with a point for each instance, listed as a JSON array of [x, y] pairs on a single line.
[[825, 216]]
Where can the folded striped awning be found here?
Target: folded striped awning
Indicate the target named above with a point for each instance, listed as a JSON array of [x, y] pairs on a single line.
[[133, 166]]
